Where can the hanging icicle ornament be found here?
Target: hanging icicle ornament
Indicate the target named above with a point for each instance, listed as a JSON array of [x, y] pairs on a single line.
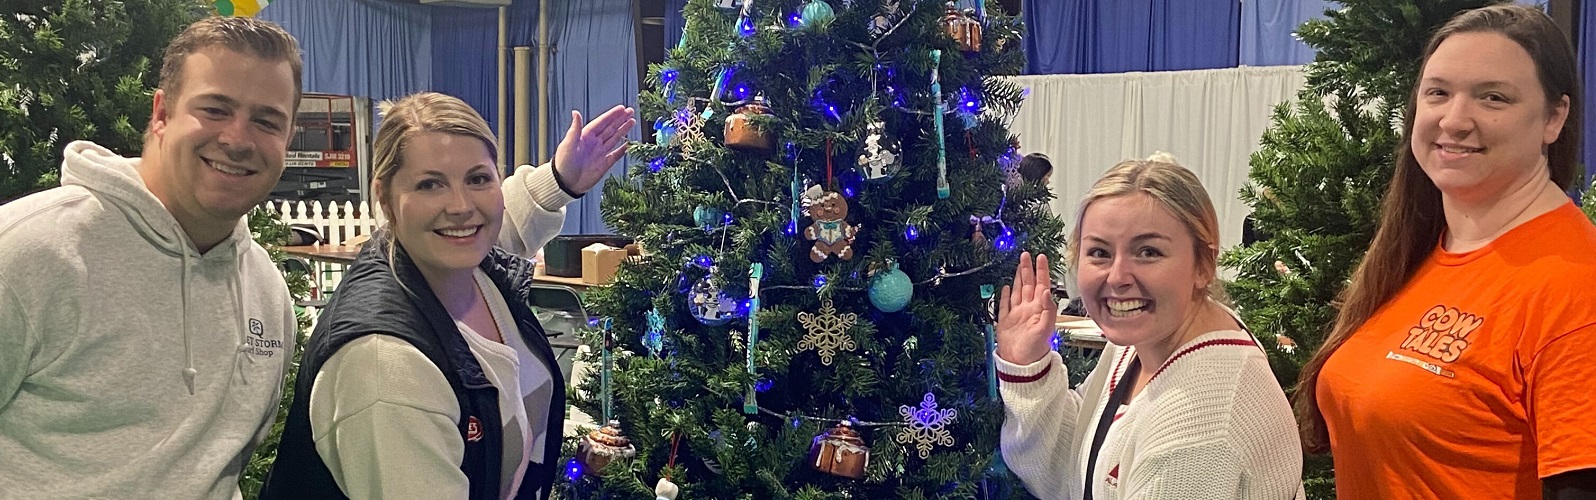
[[840, 452], [708, 305], [817, 14], [602, 447], [743, 134], [890, 290], [881, 156], [963, 27], [756, 272], [827, 331], [988, 295], [927, 426], [797, 191], [943, 191]]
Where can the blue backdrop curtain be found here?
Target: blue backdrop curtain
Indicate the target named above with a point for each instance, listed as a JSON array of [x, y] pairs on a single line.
[[1115, 36], [369, 48], [1267, 28], [594, 68], [674, 21], [465, 45], [1587, 76]]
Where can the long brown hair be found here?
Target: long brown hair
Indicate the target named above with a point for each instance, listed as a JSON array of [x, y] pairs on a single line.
[[1411, 220]]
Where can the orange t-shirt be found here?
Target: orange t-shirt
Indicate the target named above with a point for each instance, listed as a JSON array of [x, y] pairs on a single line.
[[1475, 380]]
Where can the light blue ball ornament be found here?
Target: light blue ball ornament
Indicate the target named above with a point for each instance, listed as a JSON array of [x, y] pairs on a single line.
[[816, 14], [890, 290], [708, 217]]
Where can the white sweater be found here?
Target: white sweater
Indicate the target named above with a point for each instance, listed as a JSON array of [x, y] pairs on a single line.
[[1211, 424], [379, 396]]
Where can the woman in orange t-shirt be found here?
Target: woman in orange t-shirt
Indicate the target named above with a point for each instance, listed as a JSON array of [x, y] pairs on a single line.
[[1456, 367]]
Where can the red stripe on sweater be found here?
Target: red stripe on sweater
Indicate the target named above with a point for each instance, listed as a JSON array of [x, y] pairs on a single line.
[[1113, 379], [1025, 379], [1195, 347]]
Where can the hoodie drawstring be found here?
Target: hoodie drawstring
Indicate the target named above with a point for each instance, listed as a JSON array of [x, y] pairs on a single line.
[[238, 306], [189, 372]]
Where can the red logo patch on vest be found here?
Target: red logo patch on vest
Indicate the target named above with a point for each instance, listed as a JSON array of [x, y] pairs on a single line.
[[473, 430], [1113, 477]]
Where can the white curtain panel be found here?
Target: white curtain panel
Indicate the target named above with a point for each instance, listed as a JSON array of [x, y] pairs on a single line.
[[1211, 120]]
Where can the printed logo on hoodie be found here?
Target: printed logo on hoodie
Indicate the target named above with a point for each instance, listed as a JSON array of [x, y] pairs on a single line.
[[258, 344]]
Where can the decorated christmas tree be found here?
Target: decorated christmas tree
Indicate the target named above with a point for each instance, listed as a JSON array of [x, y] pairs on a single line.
[[1317, 181], [827, 206]]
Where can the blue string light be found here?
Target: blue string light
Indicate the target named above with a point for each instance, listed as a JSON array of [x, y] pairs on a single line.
[[746, 28], [911, 233], [703, 261], [669, 76], [820, 280], [656, 164], [792, 228], [1005, 242], [573, 470], [795, 20], [969, 102], [763, 385], [741, 92]]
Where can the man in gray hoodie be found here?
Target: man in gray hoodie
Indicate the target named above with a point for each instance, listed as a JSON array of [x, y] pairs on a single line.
[[143, 334]]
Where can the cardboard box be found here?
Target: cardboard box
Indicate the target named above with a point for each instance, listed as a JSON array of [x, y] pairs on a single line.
[[600, 262], [562, 256]]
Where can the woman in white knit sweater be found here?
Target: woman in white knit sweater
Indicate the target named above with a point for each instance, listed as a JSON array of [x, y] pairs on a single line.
[[1196, 411]]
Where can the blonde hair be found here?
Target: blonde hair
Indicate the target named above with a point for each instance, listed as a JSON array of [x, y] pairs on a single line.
[[411, 115], [1161, 177]]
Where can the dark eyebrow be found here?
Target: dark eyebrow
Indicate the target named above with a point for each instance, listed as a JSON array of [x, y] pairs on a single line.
[[1490, 84], [269, 111]]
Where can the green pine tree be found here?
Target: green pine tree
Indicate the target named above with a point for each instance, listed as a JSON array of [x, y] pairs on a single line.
[[77, 69], [1316, 182], [684, 407]]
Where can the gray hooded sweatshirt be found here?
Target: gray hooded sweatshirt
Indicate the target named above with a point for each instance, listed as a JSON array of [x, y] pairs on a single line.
[[131, 365]]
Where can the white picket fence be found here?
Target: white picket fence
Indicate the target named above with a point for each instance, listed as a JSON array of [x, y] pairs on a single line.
[[337, 223]]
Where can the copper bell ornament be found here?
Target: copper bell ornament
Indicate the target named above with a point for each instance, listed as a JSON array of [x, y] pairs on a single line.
[[840, 452], [742, 135], [602, 446], [964, 28]]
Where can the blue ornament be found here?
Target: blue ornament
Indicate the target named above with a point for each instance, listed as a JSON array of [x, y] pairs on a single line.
[[890, 290], [654, 339], [709, 306], [816, 14], [664, 131], [708, 217]]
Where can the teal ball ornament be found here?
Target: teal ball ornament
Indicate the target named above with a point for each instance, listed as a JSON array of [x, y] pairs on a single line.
[[707, 216], [816, 13], [890, 290]]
